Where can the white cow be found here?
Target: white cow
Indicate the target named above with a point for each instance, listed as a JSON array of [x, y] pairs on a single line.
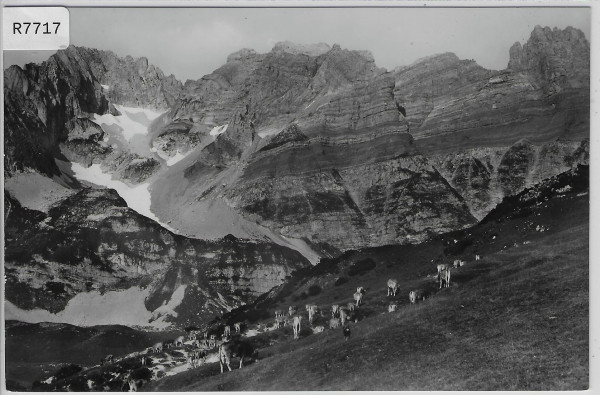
[[179, 341], [351, 306], [238, 327], [477, 257], [318, 329], [158, 347], [227, 331], [392, 285], [312, 310], [456, 263], [345, 315], [291, 310], [445, 278], [278, 313], [297, 321], [358, 297], [413, 297], [392, 307]]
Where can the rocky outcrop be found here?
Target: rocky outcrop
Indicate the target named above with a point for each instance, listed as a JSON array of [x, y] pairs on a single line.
[[483, 176], [93, 241], [45, 104]]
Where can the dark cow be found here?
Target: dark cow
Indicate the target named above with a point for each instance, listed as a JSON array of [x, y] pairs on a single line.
[[232, 349]]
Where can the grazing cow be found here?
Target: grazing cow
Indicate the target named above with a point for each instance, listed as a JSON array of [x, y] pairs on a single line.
[[392, 287], [445, 278], [318, 329], [392, 308], [297, 321], [456, 263], [158, 347], [107, 359], [335, 310], [179, 341], [413, 297], [278, 313], [334, 323], [213, 337], [351, 306], [205, 335], [212, 342], [291, 310], [227, 331], [312, 310], [144, 361], [478, 257], [231, 349], [238, 327]]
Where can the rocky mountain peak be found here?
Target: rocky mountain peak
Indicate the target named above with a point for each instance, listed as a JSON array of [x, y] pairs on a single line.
[[561, 57]]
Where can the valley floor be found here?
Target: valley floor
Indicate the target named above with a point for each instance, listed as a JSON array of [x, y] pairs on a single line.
[[516, 320]]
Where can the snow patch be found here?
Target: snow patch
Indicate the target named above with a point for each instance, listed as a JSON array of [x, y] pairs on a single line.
[[105, 87], [137, 197], [124, 307], [217, 130], [168, 308], [132, 121]]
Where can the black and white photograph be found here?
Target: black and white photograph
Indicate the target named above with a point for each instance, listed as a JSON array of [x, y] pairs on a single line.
[[300, 198]]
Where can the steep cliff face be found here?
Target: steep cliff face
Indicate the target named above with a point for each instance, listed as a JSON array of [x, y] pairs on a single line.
[[497, 133], [49, 105], [93, 241], [296, 154]]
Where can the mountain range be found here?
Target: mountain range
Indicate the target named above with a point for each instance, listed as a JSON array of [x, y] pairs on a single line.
[[198, 197]]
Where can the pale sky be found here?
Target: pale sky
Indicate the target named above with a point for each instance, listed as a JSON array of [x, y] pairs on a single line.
[[190, 43]]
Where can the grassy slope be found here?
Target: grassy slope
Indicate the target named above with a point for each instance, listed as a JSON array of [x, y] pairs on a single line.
[[516, 320]]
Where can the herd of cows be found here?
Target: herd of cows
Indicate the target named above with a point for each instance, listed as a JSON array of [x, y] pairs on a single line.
[[200, 347]]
